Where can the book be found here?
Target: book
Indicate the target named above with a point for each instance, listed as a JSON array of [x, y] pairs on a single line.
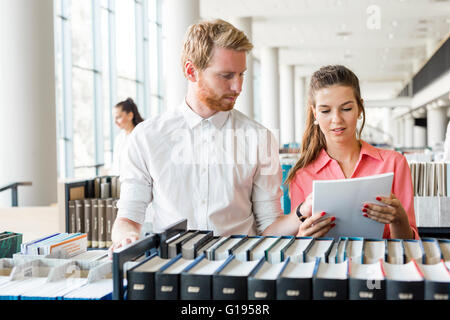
[[167, 278], [174, 244], [296, 249], [97, 187], [295, 280], [259, 251], [105, 190], [340, 250], [374, 250], [334, 252], [354, 249], [444, 245], [196, 279], [437, 281], [344, 199], [115, 211], [320, 248], [141, 278], [414, 250], [330, 281], [72, 217], [394, 251], [366, 281], [94, 223], [79, 215], [87, 221], [10, 243], [109, 221], [114, 187], [205, 247], [190, 246], [274, 254], [101, 220], [403, 281], [230, 280], [262, 282], [432, 250], [223, 250], [242, 252]]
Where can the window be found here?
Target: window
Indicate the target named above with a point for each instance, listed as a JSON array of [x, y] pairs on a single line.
[[106, 51]]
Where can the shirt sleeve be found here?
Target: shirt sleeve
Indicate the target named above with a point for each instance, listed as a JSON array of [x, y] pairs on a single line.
[[403, 189], [266, 191], [296, 193], [136, 183]]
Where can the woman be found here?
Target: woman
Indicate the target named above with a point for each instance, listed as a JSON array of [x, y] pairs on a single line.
[[332, 149], [126, 117]]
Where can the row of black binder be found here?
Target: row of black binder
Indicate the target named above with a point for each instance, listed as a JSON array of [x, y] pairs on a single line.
[[192, 243], [94, 217], [194, 264], [232, 279]]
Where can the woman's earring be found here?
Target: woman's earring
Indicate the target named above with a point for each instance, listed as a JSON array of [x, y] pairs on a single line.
[[316, 122]]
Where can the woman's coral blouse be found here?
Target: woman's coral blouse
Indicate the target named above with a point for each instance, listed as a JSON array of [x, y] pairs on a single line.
[[371, 161]]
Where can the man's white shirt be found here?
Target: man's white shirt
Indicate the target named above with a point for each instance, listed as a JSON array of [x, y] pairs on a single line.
[[221, 173]]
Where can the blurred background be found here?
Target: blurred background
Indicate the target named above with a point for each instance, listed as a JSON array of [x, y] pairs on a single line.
[[66, 63]]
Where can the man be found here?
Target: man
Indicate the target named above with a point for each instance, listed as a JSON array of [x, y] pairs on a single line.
[[205, 161]]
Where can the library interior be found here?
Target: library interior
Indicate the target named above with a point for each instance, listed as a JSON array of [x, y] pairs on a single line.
[[225, 150]]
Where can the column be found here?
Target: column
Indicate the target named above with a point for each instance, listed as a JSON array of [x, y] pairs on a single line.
[[178, 16], [389, 126], [270, 103], [436, 123], [300, 108], [27, 89], [408, 130], [420, 137], [245, 101], [287, 101]]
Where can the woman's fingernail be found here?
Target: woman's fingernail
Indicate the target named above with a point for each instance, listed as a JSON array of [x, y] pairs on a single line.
[[333, 224], [365, 215], [366, 206], [333, 218], [322, 214], [364, 210], [378, 198]]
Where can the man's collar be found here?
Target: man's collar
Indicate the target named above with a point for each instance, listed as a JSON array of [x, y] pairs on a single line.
[[193, 119]]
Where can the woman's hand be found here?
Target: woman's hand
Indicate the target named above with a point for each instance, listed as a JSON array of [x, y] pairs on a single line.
[[391, 213], [312, 227], [306, 208]]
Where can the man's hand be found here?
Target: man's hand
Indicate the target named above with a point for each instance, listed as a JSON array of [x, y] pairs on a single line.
[[124, 232], [129, 238]]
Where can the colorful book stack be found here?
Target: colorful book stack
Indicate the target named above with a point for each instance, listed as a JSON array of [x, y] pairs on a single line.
[[9, 244]]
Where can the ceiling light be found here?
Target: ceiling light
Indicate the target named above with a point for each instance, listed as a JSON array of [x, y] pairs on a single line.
[[391, 36], [394, 23]]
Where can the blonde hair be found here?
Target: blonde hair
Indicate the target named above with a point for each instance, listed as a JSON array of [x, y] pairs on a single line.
[[201, 38], [313, 139]]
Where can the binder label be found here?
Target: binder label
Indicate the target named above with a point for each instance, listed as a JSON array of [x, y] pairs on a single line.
[[228, 290], [166, 288], [138, 286], [191, 289]]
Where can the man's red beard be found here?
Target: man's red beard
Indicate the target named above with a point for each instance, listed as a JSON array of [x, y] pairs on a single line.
[[217, 103]]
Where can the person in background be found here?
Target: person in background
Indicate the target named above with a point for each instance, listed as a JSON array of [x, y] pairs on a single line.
[[332, 149], [126, 117]]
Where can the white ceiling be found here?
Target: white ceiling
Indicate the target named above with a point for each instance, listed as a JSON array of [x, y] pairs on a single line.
[[385, 53]]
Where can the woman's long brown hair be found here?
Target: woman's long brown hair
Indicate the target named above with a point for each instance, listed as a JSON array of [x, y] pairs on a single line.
[[313, 139]]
